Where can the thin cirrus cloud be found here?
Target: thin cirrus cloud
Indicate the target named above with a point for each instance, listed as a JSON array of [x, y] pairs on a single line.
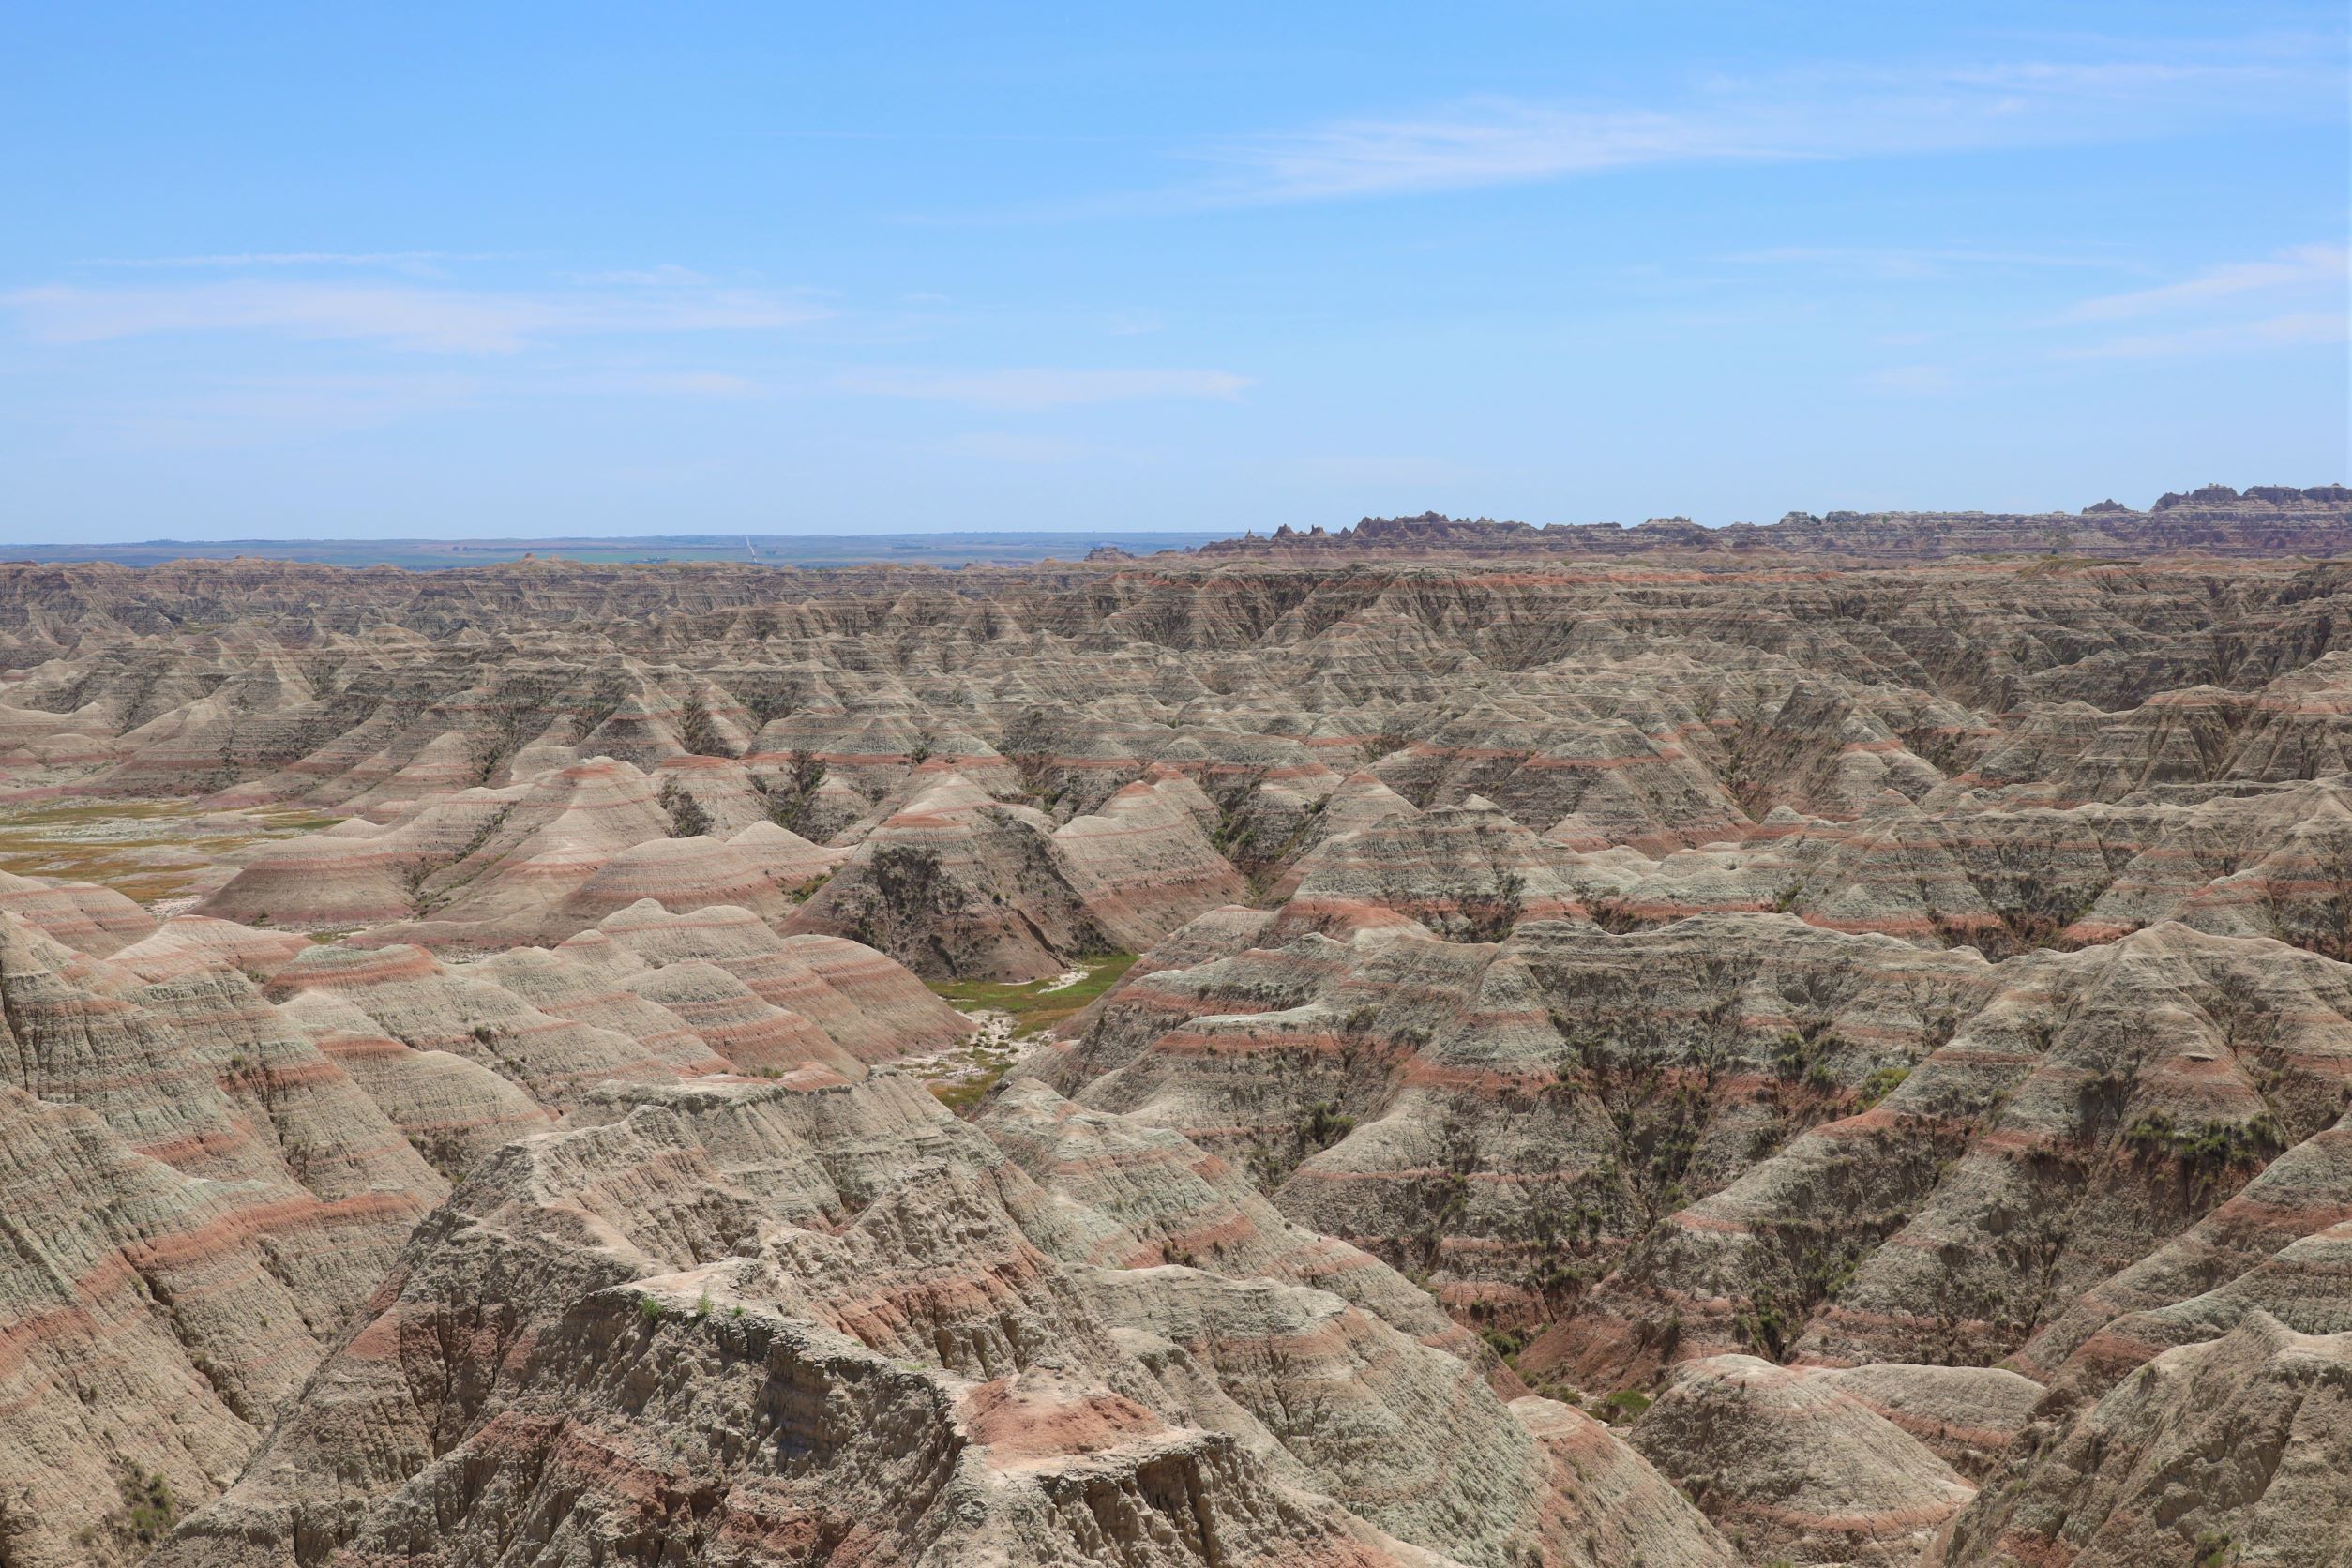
[[398, 315], [2290, 299], [258, 410], [1483, 144], [1827, 112], [398, 259], [2303, 266], [1897, 263], [1031, 390]]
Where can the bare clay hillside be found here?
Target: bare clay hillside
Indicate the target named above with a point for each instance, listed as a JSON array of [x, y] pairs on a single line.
[[1393, 1048]]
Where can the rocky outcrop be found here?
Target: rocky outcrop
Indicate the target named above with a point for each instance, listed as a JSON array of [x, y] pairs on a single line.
[[814, 1315], [958, 882], [1791, 1466], [221, 1137], [2266, 520], [2231, 1449]]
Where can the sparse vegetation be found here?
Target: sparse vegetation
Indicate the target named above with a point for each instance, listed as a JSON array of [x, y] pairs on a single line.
[[147, 1512], [789, 798], [1324, 1125], [963, 1079], [1878, 1085], [1762, 1325], [1490, 916], [1036, 1005], [699, 733], [2205, 1152], [687, 817], [1607, 910], [140, 849], [1625, 1407]]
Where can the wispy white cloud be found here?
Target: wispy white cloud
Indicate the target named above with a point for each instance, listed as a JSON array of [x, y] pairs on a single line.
[[395, 260], [658, 384], [2125, 79], [1033, 389], [2303, 266], [262, 410], [434, 320], [2286, 331], [1917, 262], [1486, 143], [1825, 112]]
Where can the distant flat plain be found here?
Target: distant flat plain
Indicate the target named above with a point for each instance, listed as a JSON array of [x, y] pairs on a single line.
[[775, 549]]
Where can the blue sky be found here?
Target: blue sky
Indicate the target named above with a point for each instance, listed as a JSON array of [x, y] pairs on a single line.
[[356, 270]]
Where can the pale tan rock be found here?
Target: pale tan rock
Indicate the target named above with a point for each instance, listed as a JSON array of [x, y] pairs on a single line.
[[1793, 1466], [2235, 1446]]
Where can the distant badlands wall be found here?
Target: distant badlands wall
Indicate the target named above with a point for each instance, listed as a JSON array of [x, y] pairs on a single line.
[[2264, 521]]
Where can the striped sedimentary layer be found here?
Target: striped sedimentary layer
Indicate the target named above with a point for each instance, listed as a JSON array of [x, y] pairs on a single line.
[[219, 1138], [749, 1321], [1896, 1016]]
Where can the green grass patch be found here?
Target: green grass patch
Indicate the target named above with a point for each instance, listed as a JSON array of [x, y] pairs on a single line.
[[144, 850], [965, 1094], [1035, 1009], [964, 1081], [1625, 1407]]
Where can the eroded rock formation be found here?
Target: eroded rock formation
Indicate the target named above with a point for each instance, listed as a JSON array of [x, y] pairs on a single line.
[[1784, 1047]]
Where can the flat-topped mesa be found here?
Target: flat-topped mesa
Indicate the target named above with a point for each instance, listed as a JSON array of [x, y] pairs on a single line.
[[2265, 521]]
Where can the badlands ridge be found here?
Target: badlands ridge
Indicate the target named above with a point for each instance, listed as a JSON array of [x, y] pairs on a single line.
[[1658, 1054]]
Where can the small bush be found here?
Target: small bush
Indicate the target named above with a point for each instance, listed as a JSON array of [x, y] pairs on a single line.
[[1880, 1084], [1324, 1125], [2211, 1149], [149, 1510]]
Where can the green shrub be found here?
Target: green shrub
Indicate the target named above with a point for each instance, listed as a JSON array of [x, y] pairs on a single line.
[[1880, 1084], [1626, 1407]]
